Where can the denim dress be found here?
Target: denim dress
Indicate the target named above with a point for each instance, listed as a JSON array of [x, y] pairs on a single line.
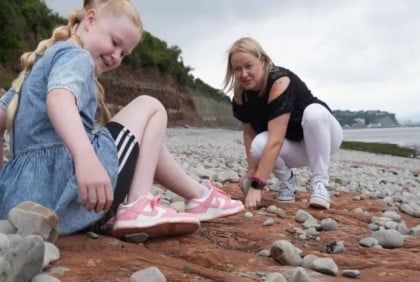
[[41, 168]]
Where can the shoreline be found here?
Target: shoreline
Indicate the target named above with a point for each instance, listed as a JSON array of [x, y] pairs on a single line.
[[228, 143], [364, 147]]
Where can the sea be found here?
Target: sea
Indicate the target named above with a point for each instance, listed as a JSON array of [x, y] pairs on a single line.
[[402, 136]]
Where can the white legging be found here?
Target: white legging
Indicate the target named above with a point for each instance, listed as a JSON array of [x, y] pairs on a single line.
[[322, 137]]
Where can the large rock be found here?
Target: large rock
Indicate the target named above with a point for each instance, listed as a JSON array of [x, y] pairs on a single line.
[[32, 218], [285, 253], [22, 258]]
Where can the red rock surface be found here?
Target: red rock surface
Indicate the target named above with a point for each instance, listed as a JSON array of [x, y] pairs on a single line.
[[223, 249]]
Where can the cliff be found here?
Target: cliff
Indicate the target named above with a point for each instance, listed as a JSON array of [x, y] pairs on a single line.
[[185, 106], [359, 119]]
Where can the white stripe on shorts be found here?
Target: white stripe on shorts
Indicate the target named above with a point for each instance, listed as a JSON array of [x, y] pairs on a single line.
[[125, 143]]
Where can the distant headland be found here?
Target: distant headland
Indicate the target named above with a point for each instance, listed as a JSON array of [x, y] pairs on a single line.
[[366, 119]]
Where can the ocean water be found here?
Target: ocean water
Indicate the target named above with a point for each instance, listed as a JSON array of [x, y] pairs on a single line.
[[403, 136]]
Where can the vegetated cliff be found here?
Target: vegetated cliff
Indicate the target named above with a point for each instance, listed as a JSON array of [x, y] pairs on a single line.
[[185, 106]]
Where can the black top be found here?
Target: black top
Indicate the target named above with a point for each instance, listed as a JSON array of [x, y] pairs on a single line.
[[256, 110]]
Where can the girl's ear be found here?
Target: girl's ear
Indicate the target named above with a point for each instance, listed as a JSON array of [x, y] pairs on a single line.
[[90, 18]]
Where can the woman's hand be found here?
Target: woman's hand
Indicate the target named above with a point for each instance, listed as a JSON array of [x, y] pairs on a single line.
[[244, 177], [94, 184], [253, 198]]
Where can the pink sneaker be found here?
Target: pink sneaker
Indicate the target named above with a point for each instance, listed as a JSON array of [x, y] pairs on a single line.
[[146, 215], [217, 204]]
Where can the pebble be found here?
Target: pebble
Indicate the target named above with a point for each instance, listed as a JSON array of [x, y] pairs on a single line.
[[336, 247], [389, 238], [368, 242], [264, 253], [300, 275], [285, 253], [326, 266], [148, 274], [136, 238], [248, 215], [92, 235], [329, 224], [268, 222], [301, 216], [351, 273], [275, 277]]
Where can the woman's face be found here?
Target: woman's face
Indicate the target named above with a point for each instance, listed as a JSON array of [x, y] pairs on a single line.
[[248, 70]]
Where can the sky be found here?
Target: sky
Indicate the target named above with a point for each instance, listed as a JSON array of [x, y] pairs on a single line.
[[353, 54]]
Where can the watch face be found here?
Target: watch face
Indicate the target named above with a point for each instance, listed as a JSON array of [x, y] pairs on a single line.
[[256, 185]]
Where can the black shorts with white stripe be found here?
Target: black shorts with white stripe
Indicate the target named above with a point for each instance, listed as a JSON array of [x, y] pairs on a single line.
[[128, 151]]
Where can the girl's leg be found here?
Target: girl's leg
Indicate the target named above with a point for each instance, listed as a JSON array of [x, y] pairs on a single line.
[[204, 200], [170, 174], [154, 161], [146, 118]]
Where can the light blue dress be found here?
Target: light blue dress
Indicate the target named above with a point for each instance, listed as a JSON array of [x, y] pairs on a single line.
[[41, 168]]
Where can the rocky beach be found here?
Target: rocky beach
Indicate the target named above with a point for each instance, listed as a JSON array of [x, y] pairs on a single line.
[[370, 233]]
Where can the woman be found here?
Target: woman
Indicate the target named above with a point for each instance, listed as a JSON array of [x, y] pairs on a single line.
[[284, 125]]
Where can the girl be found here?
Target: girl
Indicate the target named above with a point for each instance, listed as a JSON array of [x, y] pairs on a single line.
[[284, 125], [60, 160]]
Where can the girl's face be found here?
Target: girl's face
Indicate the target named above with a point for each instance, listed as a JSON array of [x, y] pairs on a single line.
[[109, 39], [248, 70]]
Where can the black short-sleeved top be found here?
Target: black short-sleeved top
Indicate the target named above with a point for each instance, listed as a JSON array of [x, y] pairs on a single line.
[[256, 110]]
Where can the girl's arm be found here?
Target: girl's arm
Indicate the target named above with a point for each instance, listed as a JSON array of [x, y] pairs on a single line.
[[94, 182], [2, 129]]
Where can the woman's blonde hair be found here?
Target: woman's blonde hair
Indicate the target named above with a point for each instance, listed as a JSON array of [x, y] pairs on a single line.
[[27, 60], [252, 47]]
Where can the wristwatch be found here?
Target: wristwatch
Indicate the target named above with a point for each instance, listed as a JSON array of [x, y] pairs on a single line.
[[257, 183]]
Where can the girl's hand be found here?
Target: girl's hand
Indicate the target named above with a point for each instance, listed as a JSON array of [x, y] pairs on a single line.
[[253, 198], [94, 184]]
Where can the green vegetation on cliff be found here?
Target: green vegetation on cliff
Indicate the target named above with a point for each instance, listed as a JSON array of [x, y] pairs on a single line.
[[23, 23]]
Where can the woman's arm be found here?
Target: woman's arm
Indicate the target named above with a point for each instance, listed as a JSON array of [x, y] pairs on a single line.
[[248, 135], [276, 133], [277, 128], [94, 182]]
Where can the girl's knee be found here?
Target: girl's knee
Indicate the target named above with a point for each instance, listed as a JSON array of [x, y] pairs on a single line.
[[149, 103]]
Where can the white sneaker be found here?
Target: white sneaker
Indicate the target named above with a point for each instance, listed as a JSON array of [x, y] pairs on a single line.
[[320, 197], [286, 190]]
